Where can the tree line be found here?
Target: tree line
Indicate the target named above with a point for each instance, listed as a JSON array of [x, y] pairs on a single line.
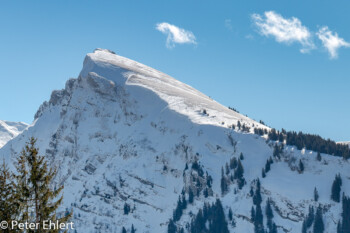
[[308, 141]]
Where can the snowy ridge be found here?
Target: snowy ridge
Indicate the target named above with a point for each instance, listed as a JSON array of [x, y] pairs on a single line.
[[122, 133], [9, 130], [179, 96]]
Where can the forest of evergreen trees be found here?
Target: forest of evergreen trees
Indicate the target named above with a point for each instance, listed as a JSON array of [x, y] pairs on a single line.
[[308, 141], [213, 215], [256, 212], [210, 219]]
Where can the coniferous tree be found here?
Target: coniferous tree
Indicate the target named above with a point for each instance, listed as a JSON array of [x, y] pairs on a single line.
[[301, 166], [230, 214], [339, 227], [238, 174], [241, 157], [223, 182], [123, 230], [239, 170], [206, 192], [318, 157], [133, 230], [270, 160], [251, 191], [252, 214], [209, 180], [233, 223], [345, 225], [171, 227], [273, 229], [38, 201], [316, 196], [273, 135], [8, 197], [276, 151], [268, 209], [184, 202], [126, 208], [190, 196], [308, 221], [269, 214], [336, 187], [232, 177], [22, 179], [214, 215], [258, 220], [218, 223], [310, 217], [263, 174], [280, 137], [227, 169], [304, 227], [257, 195], [233, 163], [318, 224], [267, 166], [178, 210], [258, 185]]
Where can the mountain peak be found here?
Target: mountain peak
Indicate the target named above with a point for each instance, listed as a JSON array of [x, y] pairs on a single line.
[[180, 97], [108, 58], [126, 136]]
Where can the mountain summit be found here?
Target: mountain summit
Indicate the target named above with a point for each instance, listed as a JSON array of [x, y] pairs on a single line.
[[134, 146], [177, 95]]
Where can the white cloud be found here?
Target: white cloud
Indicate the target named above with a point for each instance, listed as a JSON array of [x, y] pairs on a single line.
[[331, 41], [249, 37], [176, 35], [228, 24], [284, 30]]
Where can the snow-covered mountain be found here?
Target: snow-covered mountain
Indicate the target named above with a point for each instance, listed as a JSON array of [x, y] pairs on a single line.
[[9, 130], [123, 134]]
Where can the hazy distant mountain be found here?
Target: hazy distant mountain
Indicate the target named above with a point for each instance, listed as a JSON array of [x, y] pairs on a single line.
[[9, 130]]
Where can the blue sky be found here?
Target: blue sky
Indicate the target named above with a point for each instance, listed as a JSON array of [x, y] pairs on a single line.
[[254, 56]]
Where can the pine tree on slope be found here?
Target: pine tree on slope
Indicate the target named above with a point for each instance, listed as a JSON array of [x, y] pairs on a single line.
[[318, 224], [336, 187], [316, 196], [318, 157], [259, 220], [345, 225], [133, 230], [38, 201], [8, 200], [171, 227], [269, 214], [301, 166]]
